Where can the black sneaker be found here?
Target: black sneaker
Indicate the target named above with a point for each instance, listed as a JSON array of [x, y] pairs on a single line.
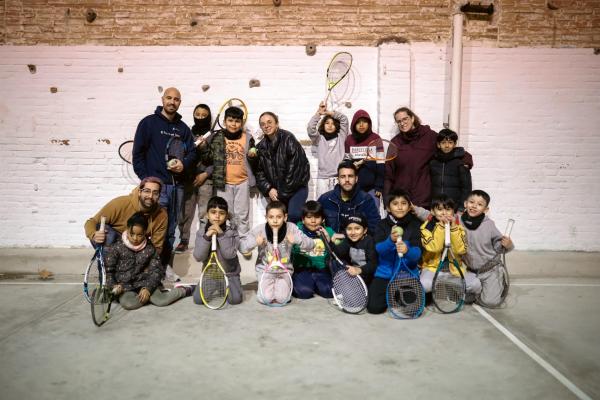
[[181, 247]]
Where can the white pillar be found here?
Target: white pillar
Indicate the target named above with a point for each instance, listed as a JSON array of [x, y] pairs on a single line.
[[456, 78]]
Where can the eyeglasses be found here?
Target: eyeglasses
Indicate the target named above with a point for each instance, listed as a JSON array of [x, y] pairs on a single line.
[[153, 193], [403, 120]]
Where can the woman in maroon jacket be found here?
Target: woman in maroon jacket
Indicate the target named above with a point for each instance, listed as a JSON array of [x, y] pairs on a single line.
[[409, 171]]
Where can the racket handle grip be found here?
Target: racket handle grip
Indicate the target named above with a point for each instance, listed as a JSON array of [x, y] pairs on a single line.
[[397, 242], [509, 227], [102, 223], [214, 242], [447, 234]]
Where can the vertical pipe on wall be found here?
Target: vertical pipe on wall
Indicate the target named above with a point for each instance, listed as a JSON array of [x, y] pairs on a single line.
[[456, 78]]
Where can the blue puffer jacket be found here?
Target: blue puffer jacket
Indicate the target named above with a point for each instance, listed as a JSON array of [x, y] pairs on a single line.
[[336, 210], [387, 258]]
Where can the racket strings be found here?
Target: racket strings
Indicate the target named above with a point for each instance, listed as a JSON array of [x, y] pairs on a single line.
[[448, 290], [349, 292], [213, 285], [338, 68], [406, 296]]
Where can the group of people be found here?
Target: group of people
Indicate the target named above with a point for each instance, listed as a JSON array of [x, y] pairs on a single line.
[[426, 186]]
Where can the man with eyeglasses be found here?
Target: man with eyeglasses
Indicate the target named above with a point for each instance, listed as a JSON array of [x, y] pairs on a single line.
[[143, 198]]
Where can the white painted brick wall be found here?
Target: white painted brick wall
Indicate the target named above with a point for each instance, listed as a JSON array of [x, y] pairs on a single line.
[[530, 119]]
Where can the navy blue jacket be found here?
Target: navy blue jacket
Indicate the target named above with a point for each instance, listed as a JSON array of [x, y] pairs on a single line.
[[336, 210], [150, 143]]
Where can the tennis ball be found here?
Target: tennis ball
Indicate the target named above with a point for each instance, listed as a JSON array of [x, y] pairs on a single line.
[[398, 230]]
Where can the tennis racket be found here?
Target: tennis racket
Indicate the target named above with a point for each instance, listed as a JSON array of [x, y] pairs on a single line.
[[378, 150], [448, 287], [275, 286], [214, 285], [500, 271], [405, 295], [219, 122], [126, 151], [101, 296], [338, 68], [349, 292], [94, 271]]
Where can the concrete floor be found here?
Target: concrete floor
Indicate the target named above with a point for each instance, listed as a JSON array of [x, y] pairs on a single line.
[[50, 348]]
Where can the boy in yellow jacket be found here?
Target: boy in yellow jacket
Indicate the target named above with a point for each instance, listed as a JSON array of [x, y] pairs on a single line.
[[432, 238]]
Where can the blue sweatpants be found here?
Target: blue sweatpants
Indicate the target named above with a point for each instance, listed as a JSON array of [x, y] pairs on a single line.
[[309, 283]]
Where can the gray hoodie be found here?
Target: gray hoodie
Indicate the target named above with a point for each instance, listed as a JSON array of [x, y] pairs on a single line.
[[329, 152]]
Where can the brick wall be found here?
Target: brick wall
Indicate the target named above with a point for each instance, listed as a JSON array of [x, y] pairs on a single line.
[[553, 23], [530, 117]]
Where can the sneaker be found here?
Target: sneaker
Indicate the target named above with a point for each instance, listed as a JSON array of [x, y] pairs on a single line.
[[170, 274], [181, 247], [188, 287]]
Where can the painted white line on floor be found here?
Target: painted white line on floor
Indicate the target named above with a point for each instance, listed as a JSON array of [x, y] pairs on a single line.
[[543, 363], [41, 283], [557, 284]]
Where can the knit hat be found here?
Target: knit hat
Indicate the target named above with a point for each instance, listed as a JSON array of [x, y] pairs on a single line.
[[357, 219]]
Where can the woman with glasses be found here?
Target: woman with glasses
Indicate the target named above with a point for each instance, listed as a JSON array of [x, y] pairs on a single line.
[[409, 171]]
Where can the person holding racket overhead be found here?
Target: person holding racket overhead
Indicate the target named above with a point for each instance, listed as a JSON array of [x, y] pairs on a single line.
[[134, 270], [197, 187], [280, 166], [486, 243], [263, 237], [327, 131], [144, 199], [399, 213], [232, 176], [162, 147], [371, 172]]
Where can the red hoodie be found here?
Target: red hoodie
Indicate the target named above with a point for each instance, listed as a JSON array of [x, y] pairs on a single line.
[[371, 173]]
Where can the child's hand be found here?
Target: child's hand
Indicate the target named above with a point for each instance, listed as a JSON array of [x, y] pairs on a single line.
[[506, 242], [290, 238], [353, 271], [214, 229], [323, 232], [322, 108], [260, 240], [401, 247], [117, 290], [337, 238], [143, 296]]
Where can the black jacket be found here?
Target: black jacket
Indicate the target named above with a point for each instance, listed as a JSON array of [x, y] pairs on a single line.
[[450, 176], [280, 164]]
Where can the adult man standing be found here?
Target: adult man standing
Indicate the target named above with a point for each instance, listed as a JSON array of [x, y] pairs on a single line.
[[143, 198], [347, 199], [155, 135]]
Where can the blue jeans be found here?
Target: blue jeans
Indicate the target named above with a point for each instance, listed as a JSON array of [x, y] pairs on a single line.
[[171, 199], [295, 204]]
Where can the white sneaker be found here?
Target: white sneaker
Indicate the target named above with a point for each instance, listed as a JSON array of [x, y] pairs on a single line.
[[170, 274]]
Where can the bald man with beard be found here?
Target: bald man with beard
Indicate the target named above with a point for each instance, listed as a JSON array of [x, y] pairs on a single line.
[[152, 137]]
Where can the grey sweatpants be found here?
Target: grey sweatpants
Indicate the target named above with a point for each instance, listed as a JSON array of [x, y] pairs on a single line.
[[238, 200], [491, 286], [471, 281], [129, 300]]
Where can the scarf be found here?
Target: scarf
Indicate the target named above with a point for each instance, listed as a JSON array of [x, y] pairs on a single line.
[[232, 136], [280, 233], [131, 247], [201, 126], [403, 222], [472, 223], [309, 233]]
